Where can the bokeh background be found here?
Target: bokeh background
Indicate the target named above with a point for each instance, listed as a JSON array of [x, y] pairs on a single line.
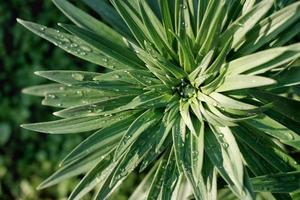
[[26, 158]]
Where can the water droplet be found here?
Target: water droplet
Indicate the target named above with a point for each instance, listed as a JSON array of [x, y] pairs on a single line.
[[117, 76], [86, 48], [51, 96], [291, 136], [61, 88], [83, 53], [78, 77], [64, 39], [85, 102], [60, 104], [183, 6], [79, 92], [225, 145], [74, 45], [104, 60], [43, 28]]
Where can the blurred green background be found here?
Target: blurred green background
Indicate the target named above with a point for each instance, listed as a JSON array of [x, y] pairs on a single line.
[[26, 158]]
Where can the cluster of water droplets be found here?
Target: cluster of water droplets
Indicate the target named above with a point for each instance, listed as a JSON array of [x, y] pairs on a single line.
[[185, 90], [65, 42], [222, 140]]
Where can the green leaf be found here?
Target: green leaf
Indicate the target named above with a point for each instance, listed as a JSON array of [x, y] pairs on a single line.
[[65, 96], [264, 61], [95, 176], [258, 142], [121, 56], [269, 28], [238, 82], [82, 19], [289, 77], [171, 176], [109, 15], [240, 27], [67, 77], [136, 77], [157, 183], [155, 30], [147, 120], [132, 20], [275, 129], [72, 169], [227, 102], [185, 114], [142, 189], [149, 99], [277, 183], [42, 90], [76, 125], [70, 43], [102, 141], [283, 105], [224, 153], [103, 107], [135, 154]]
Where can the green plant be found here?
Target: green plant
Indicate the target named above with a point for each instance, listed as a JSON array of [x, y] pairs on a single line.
[[197, 91]]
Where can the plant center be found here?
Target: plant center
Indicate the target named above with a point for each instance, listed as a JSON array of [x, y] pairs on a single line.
[[185, 89]]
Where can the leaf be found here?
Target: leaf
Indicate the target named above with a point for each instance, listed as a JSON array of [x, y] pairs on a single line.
[[258, 142], [102, 107], [121, 88], [75, 125], [170, 178], [67, 77], [157, 183], [283, 105], [269, 28], [264, 61], [82, 19], [185, 114], [275, 129], [143, 188], [240, 27], [145, 121], [132, 20], [149, 99], [289, 77], [277, 183], [72, 169], [102, 140], [121, 56], [42, 90], [70, 43], [95, 176], [238, 82], [224, 153], [65, 96], [155, 30], [227, 102], [135, 154], [109, 15], [136, 77]]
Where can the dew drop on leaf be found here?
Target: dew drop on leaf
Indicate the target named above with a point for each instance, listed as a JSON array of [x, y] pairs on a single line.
[[78, 77], [51, 96], [86, 48], [225, 145]]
